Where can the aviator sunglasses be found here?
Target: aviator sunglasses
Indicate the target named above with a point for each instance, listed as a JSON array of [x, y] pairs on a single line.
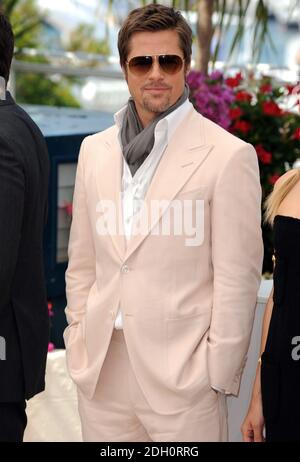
[[141, 65]]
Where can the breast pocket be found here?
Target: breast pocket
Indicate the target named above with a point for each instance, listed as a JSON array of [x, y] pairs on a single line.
[[191, 206]]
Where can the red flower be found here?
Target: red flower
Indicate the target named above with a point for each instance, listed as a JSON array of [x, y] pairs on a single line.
[[50, 306], [266, 88], [242, 126], [234, 81], [243, 96], [296, 134], [264, 156], [289, 88], [272, 179], [235, 113], [68, 208], [271, 108]]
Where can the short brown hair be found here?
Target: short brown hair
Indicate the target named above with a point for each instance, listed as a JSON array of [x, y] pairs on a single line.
[[152, 18], [6, 46]]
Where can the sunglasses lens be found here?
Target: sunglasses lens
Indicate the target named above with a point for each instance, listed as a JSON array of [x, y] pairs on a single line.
[[171, 64], [140, 65]]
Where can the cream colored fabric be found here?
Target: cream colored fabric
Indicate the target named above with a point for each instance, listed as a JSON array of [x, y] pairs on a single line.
[[122, 414], [187, 310], [52, 414]]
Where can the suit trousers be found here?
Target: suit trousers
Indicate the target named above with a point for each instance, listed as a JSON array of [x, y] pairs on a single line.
[[119, 411], [13, 421]]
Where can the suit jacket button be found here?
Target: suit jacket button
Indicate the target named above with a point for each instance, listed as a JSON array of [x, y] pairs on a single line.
[[125, 269]]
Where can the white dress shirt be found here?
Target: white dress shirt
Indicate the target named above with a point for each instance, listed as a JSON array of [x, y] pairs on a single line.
[[134, 188]]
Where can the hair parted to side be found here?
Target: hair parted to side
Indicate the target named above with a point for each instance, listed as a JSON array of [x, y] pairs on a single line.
[[153, 18], [280, 191], [6, 46]]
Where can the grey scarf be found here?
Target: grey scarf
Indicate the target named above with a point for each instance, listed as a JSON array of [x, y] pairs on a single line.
[[137, 142]]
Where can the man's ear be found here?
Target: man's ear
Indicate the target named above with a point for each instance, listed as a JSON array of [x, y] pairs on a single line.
[[187, 69]]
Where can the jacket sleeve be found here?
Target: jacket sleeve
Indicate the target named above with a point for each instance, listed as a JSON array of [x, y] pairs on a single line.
[[81, 272], [237, 252], [12, 190]]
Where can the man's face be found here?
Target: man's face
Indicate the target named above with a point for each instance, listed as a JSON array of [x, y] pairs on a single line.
[[155, 91]]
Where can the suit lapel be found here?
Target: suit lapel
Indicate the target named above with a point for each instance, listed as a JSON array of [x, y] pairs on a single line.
[[185, 153], [109, 185]]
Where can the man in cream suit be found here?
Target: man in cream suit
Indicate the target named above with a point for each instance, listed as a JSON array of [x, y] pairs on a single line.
[[165, 253]]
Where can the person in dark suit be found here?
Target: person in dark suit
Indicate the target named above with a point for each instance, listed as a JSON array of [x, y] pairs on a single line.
[[24, 320]]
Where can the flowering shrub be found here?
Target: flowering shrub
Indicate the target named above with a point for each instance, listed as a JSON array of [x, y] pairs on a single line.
[[211, 96], [259, 118], [252, 110]]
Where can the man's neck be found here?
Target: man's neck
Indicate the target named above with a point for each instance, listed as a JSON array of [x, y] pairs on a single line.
[[146, 117]]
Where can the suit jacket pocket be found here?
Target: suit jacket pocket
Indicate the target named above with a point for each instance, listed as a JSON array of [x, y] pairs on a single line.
[[270, 387], [186, 350]]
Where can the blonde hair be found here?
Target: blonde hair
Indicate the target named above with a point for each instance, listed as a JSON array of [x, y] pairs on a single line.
[[281, 189]]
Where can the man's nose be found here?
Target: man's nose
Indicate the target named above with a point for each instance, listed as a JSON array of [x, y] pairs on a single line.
[[155, 71]]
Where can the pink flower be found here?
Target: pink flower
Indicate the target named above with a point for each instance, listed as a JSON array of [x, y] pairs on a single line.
[[50, 306], [51, 347]]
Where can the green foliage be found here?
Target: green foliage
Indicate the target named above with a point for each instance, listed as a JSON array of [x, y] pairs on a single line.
[[34, 88], [83, 39], [25, 20], [38, 89]]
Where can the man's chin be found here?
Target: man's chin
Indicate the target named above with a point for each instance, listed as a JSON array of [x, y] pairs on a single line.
[[157, 108]]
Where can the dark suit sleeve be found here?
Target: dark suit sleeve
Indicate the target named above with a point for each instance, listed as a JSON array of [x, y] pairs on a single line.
[[12, 188]]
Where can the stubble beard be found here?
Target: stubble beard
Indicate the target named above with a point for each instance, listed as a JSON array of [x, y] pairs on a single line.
[[156, 107]]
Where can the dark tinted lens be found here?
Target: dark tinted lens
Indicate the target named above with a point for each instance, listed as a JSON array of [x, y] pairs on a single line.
[[170, 63], [140, 64]]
